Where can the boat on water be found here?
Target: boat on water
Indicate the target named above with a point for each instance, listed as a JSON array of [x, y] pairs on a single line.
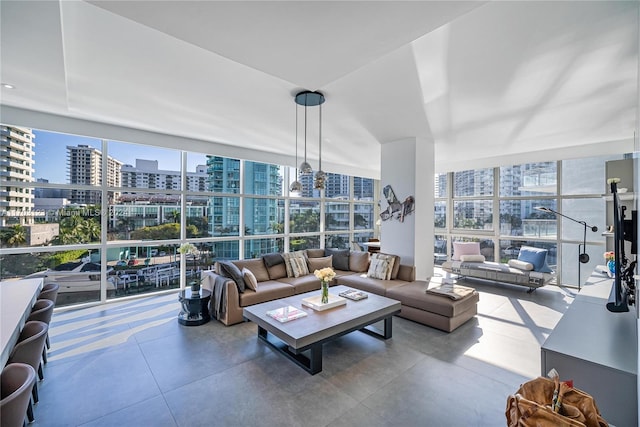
[[75, 276]]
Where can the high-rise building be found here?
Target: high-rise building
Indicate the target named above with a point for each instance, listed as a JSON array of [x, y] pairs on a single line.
[[16, 165], [259, 214], [85, 168], [146, 174]]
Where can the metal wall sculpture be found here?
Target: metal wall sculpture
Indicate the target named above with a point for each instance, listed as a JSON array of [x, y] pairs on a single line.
[[396, 208]]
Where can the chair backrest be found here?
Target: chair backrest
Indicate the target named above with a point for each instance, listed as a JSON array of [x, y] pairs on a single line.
[[30, 344], [17, 380], [357, 246], [50, 292], [42, 311]]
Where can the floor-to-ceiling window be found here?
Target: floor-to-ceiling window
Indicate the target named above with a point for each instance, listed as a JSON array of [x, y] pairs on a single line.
[[105, 218], [500, 209]]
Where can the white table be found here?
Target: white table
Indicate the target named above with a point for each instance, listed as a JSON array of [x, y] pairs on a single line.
[[16, 299]]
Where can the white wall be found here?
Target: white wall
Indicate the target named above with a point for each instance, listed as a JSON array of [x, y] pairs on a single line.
[[407, 165]]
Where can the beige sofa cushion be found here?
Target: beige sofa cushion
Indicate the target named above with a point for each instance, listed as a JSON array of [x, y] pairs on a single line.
[[367, 284], [256, 266], [302, 284], [267, 291], [319, 263], [359, 261], [315, 253]]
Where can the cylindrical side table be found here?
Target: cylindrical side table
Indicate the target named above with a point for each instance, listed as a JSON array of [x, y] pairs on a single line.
[[195, 310]]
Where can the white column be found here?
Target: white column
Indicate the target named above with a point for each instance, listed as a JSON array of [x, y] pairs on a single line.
[[407, 166]]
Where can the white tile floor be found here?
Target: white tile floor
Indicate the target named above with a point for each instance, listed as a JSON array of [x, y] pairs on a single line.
[[132, 364]]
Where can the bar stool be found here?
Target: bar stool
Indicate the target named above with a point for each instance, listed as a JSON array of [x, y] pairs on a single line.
[[29, 350], [17, 381], [42, 311]]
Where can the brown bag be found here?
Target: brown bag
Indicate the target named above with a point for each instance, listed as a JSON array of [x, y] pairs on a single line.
[[532, 405]]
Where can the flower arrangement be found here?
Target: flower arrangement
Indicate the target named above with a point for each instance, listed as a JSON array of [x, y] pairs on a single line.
[[325, 274], [187, 248], [609, 256]]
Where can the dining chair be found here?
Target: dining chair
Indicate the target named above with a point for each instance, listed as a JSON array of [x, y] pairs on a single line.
[[42, 311], [17, 381], [50, 292], [357, 246], [29, 350]]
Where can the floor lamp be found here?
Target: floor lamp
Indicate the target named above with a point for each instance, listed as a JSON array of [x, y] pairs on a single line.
[[583, 256]]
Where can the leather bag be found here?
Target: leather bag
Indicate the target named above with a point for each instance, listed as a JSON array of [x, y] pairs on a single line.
[[544, 402]]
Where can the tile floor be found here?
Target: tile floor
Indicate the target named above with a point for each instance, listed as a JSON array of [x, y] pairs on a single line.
[[131, 364]]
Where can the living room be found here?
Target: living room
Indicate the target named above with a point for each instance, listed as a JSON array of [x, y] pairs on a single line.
[[201, 123]]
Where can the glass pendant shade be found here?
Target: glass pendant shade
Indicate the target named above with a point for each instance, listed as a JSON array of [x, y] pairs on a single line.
[[296, 187], [320, 179], [305, 168]]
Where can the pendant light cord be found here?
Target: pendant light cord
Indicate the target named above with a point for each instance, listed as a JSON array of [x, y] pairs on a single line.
[[305, 128], [320, 141]]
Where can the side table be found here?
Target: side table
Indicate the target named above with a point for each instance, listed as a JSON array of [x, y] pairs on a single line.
[[195, 310]]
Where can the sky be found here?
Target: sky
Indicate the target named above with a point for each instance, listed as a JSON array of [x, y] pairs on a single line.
[[51, 154]]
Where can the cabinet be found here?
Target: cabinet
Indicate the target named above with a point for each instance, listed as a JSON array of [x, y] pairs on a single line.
[[598, 350]]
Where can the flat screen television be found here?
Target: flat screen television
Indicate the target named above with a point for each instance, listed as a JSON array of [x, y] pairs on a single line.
[[622, 291]]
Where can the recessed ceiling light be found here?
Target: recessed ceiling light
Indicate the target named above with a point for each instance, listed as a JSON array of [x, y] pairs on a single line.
[[7, 86]]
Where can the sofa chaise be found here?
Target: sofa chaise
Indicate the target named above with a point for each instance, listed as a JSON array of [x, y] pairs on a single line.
[[275, 276], [530, 269]]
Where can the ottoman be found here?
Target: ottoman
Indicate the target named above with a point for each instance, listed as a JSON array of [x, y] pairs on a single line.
[[437, 311]]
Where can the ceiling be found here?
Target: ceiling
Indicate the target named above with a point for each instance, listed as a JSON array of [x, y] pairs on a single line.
[[487, 82]]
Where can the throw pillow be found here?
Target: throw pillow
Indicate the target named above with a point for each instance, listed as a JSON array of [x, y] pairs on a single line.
[[520, 265], [535, 256], [465, 248], [315, 253], [378, 268], [340, 258], [391, 259], [229, 269], [319, 263], [472, 258], [298, 266], [358, 261], [395, 265], [250, 279], [272, 259], [287, 260]]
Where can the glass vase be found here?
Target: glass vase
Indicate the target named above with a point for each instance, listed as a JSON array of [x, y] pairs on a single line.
[[612, 267], [325, 292]]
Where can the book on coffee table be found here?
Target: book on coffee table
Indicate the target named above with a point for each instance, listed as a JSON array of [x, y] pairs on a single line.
[[353, 294], [286, 314]]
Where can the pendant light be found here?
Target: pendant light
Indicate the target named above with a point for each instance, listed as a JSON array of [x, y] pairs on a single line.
[[296, 186], [307, 99], [321, 176]]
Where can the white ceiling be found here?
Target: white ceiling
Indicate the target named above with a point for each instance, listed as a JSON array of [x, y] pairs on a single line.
[[488, 82]]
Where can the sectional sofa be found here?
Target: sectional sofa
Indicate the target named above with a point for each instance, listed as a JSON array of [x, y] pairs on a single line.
[[241, 283]]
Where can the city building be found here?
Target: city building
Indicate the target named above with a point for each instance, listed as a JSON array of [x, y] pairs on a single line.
[[146, 174], [85, 168], [16, 165]]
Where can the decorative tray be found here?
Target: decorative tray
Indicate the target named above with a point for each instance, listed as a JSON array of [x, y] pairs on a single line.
[[314, 302]]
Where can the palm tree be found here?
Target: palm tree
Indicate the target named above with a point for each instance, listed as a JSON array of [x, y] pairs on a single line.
[[88, 231], [17, 235]]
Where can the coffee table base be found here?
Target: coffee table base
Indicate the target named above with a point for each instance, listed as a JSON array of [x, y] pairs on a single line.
[[313, 363]]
